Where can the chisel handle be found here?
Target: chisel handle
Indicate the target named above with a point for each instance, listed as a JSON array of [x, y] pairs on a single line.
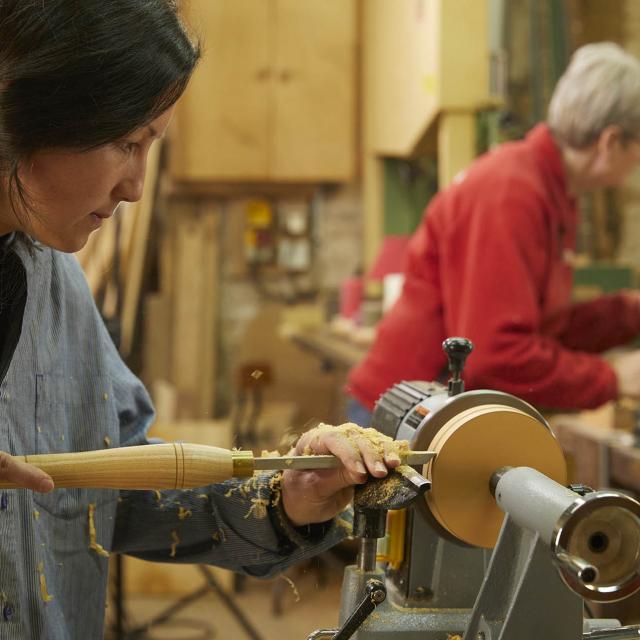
[[174, 465]]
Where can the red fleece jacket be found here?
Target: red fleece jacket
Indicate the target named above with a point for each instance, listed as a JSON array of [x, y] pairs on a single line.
[[491, 261]]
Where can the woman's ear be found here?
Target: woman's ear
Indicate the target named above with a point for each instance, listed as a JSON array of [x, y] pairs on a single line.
[[609, 141]]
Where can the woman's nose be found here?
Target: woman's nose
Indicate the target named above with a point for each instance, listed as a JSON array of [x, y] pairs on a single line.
[[131, 186]]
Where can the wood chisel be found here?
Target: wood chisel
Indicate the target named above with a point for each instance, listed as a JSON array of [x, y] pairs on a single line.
[[173, 465]]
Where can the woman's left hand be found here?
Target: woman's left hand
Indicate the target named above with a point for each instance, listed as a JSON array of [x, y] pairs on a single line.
[[319, 495]]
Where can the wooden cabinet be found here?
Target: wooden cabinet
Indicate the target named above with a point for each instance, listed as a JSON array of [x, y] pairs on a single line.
[[425, 74], [274, 96]]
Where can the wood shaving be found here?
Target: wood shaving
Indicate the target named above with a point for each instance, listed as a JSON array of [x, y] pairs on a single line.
[[36, 514], [269, 454], [344, 524], [93, 544], [46, 597], [219, 536], [183, 513], [258, 508], [175, 543], [296, 593], [257, 374], [203, 496], [107, 441]]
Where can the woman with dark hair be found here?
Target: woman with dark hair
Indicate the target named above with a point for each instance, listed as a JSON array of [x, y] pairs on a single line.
[[86, 86]]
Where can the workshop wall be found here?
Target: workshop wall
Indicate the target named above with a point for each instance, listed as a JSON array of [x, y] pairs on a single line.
[[255, 316]]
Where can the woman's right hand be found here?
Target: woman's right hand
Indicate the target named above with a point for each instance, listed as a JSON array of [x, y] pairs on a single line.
[[24, 475]]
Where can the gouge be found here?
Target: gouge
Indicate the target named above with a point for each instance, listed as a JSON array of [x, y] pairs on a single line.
[[174, 465]]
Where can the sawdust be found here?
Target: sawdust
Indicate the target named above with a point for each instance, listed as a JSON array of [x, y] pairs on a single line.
[[93, 544], [275, 485]]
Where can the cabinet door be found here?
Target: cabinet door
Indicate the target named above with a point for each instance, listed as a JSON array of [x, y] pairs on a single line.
[[313, 126], [222, 121]]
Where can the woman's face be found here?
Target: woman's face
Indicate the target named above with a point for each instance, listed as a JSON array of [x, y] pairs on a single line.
[[614, 159], [72, 192]]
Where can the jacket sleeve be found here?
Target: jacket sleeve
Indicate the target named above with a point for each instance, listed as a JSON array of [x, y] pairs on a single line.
[[603, 323], [493, 277], [238, 525]]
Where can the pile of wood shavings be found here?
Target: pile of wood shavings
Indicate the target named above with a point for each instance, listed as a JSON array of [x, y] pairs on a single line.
[[352, 432]]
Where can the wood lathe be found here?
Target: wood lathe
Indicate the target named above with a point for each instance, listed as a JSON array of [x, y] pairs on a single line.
[[486, 541]]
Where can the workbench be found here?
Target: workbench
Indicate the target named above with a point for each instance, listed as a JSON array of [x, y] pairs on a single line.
[[334, 351]]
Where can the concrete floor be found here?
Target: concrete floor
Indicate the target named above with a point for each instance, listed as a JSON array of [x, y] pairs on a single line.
[[209, 618]]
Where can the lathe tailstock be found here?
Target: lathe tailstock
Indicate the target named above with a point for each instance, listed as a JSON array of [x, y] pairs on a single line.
[[494, 545]]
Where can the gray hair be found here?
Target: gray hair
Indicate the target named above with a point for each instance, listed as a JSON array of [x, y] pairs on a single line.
[[600, 87]]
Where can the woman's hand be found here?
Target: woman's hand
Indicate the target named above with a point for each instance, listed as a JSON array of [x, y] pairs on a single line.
[[24, 475], [317, 496]]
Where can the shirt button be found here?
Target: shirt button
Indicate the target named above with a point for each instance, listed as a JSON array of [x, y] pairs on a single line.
[[7, 612]]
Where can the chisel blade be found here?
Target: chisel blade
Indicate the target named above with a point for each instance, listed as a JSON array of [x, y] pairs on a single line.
[[411, 458]]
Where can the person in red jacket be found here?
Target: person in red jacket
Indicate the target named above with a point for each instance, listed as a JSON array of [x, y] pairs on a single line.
[[492, 259]]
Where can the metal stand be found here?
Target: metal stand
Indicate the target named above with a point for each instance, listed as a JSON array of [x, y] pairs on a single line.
[[523, 597], [211, 585]]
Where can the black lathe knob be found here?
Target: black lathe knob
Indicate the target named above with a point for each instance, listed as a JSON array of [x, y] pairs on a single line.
[[457, 350]]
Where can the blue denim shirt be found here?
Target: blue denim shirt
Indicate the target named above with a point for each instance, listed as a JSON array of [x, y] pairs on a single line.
[[66, 389]]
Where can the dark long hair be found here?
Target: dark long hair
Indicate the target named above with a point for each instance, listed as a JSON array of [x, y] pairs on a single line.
[[82, 73]]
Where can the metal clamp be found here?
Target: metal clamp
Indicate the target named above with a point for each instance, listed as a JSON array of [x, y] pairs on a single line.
[[375, 594]]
